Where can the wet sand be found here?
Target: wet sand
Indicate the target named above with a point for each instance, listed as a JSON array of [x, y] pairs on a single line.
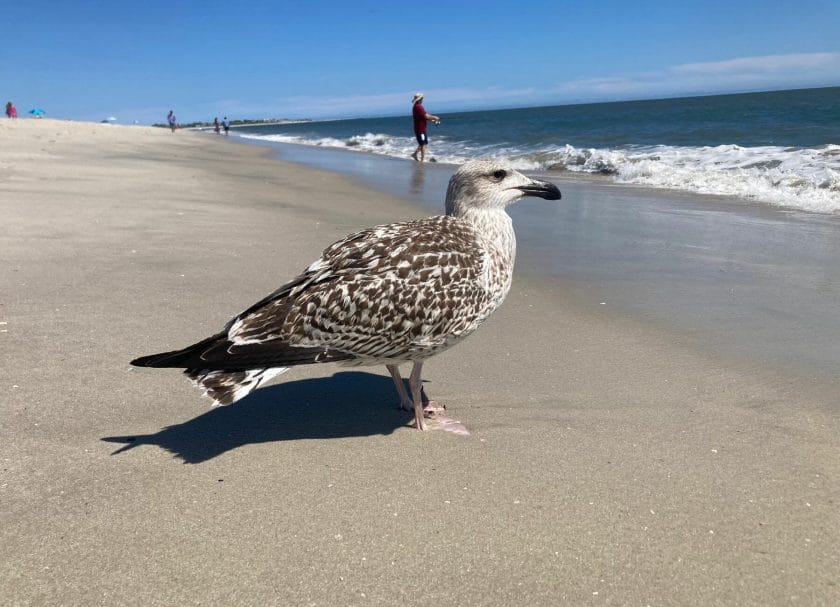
[[611, 460]]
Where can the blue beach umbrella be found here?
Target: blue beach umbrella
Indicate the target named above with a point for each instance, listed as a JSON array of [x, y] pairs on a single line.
[[37, 112]]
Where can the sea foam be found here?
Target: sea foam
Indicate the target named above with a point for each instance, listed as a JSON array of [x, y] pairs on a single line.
[[807, 179]]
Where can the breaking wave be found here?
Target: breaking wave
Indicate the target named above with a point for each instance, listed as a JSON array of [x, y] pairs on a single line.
[[807, 179]]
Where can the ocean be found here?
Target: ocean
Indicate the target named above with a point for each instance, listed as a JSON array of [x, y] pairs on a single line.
[[776, 148]]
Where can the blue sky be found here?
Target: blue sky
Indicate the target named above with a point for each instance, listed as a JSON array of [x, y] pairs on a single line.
[[322, 59]]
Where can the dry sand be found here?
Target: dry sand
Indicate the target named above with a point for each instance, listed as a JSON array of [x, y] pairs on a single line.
[[608, 462]]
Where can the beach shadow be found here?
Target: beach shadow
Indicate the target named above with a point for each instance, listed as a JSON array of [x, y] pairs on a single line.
[[344, 405]]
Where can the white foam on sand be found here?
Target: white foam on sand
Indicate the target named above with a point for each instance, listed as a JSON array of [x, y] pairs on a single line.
[[806, 179]]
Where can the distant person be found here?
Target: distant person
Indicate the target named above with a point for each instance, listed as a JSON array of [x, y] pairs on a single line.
[[11, 110], [226, 125], [420, 117], [173, 122], [216, 126]]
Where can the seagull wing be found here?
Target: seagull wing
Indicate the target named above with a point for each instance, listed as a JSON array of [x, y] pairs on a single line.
[[388, 292], [385, 292]]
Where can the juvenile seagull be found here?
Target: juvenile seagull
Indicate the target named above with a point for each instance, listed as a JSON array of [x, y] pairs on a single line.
[[389, 295]]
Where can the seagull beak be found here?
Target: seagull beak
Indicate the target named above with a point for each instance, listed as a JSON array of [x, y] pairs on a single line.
[[540, 189]]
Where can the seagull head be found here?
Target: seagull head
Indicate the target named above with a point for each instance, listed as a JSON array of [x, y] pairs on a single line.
[[489, 184]]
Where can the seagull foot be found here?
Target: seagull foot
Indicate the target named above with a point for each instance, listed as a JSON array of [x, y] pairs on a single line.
[[429, 407]]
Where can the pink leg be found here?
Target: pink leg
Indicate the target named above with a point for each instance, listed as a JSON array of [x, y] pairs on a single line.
[[437, 419], [415, 382], [405, 400], [406, 404]]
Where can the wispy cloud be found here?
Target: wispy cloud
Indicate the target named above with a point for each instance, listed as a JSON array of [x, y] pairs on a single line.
[[397, 102], [779, 65], [310, 106], [766, 72], [731, 75]]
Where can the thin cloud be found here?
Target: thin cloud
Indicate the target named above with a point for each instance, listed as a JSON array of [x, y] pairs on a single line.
[[768, 72], [367, 105], [783, 65], [732, 75]]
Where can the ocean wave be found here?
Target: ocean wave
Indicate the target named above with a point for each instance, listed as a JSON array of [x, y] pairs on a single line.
[[802, 178]]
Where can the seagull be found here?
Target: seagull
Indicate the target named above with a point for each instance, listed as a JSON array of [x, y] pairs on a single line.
[[391, 294]]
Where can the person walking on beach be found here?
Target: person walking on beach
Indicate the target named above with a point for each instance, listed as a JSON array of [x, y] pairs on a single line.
[[226, 125], [216, 126], [173, 123], [420, 118], [11, 110]]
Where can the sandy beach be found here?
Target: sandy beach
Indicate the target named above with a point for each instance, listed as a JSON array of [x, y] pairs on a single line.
[[610, 461]]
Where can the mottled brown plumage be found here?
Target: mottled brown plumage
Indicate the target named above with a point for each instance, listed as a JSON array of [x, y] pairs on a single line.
[[386, 295]]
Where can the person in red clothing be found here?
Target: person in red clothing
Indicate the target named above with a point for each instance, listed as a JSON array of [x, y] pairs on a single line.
[[420, 119]]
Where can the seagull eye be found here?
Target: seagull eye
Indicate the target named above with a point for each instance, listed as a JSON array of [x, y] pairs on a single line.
[[499, 175]]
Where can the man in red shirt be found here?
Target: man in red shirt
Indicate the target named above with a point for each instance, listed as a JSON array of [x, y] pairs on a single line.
[[420, 117]]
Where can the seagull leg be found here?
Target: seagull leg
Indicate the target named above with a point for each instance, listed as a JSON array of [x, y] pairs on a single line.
[[434, 411], [405, 400], [415, 382]]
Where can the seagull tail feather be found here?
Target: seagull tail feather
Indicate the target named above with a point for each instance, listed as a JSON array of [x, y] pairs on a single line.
[[227, 387], [177, 358], [218, 353]]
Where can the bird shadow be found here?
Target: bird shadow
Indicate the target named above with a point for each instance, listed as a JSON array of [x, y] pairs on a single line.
[[344, 405]]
